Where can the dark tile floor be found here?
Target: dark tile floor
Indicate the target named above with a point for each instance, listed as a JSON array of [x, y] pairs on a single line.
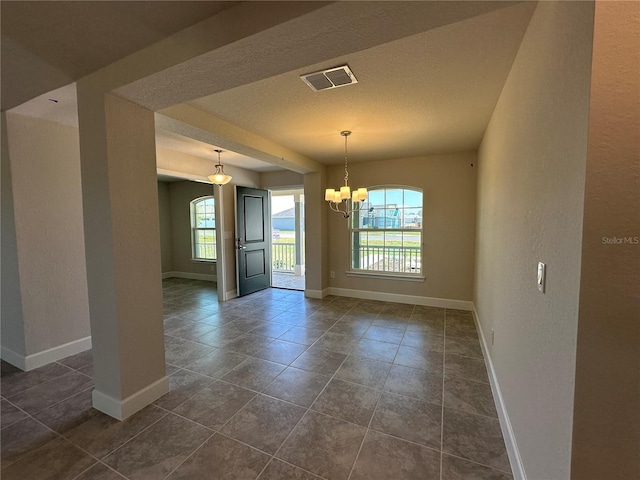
[[272, 386]]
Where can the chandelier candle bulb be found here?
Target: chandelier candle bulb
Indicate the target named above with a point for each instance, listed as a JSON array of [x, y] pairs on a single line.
[[329, 194]]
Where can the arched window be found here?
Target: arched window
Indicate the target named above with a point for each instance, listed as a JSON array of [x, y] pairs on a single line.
[[203, 228], [386, 234]]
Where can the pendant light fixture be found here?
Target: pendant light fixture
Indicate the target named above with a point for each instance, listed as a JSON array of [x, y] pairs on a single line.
[[219, 178], [339, 199]]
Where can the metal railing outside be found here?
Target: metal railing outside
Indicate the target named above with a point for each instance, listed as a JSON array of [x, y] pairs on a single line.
[[387, 259], [283, 257]]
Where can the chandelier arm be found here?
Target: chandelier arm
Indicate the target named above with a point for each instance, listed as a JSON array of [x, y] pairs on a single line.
[[335, 206]]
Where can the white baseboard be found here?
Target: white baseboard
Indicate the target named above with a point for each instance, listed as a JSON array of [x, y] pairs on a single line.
[[316, 293], [35, 360], [515, 459], [122, 409], [400, 298], [230, 295], [15, 359], [191, 276]]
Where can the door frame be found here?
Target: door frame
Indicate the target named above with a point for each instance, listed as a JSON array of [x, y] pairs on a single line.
[[291, 190], [236, 238]]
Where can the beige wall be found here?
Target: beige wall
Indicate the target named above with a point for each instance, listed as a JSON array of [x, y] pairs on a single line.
[[530, 204], [44, 159], [181, 194], [11, 299], [606, 430], [164, 208], [448, 183], [284, 178]]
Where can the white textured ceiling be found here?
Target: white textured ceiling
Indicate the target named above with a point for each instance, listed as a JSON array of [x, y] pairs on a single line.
[[429, 87], [428, 93], [76, 38], [61, 106], [179, 143]]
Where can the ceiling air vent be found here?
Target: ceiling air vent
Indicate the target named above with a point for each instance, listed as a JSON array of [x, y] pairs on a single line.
[[331, 78]]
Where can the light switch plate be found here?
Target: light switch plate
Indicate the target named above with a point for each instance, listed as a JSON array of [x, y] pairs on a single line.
[[542, 275]]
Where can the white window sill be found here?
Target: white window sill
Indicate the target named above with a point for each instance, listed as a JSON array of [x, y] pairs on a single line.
[[203, 260], [385, 275]]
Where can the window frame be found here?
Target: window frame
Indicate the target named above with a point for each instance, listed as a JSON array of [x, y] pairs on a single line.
[[195, 229], [389, 274]]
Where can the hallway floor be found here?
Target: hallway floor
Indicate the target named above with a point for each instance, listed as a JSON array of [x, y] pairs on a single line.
[[272, 386]]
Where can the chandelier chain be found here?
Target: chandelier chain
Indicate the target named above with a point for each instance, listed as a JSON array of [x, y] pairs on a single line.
[[346, 172]]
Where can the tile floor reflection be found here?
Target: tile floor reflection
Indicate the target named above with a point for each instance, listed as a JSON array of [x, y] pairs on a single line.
[[272, 386]]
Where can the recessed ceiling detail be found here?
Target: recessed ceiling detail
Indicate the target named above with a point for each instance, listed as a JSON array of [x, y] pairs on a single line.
[[331, 78]]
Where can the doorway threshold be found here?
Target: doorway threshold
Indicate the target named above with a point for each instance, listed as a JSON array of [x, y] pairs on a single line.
[[288, 281]]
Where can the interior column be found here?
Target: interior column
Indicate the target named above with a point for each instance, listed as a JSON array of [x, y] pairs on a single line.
[[299, 267], [316, 234], [122, 236]]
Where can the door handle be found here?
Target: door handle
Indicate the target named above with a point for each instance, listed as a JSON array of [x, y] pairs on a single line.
[[239, 245]]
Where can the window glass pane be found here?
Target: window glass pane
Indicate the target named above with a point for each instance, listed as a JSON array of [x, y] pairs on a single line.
[[203, 223], [390, 236], [376, 198], [412, 199], [412, 243], [205, 244], [394, 198], [412, 218]]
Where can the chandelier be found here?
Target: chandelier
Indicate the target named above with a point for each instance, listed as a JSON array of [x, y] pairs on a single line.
[[339, 199], [219, 178]]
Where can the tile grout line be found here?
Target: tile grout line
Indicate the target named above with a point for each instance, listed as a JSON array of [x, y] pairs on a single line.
[[300, 324], [296, 466], [307, 411], [366, 433], [64, 399], [444, 369], [375, 409], [195, 450], [24, 454], [126, 442], [99, 463], [217, 431], [189, 398], [65, 438], [472, 413], [71, 370], [478, 463]]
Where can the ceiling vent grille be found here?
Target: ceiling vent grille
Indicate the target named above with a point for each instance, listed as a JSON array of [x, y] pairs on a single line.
[[331, 78]]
